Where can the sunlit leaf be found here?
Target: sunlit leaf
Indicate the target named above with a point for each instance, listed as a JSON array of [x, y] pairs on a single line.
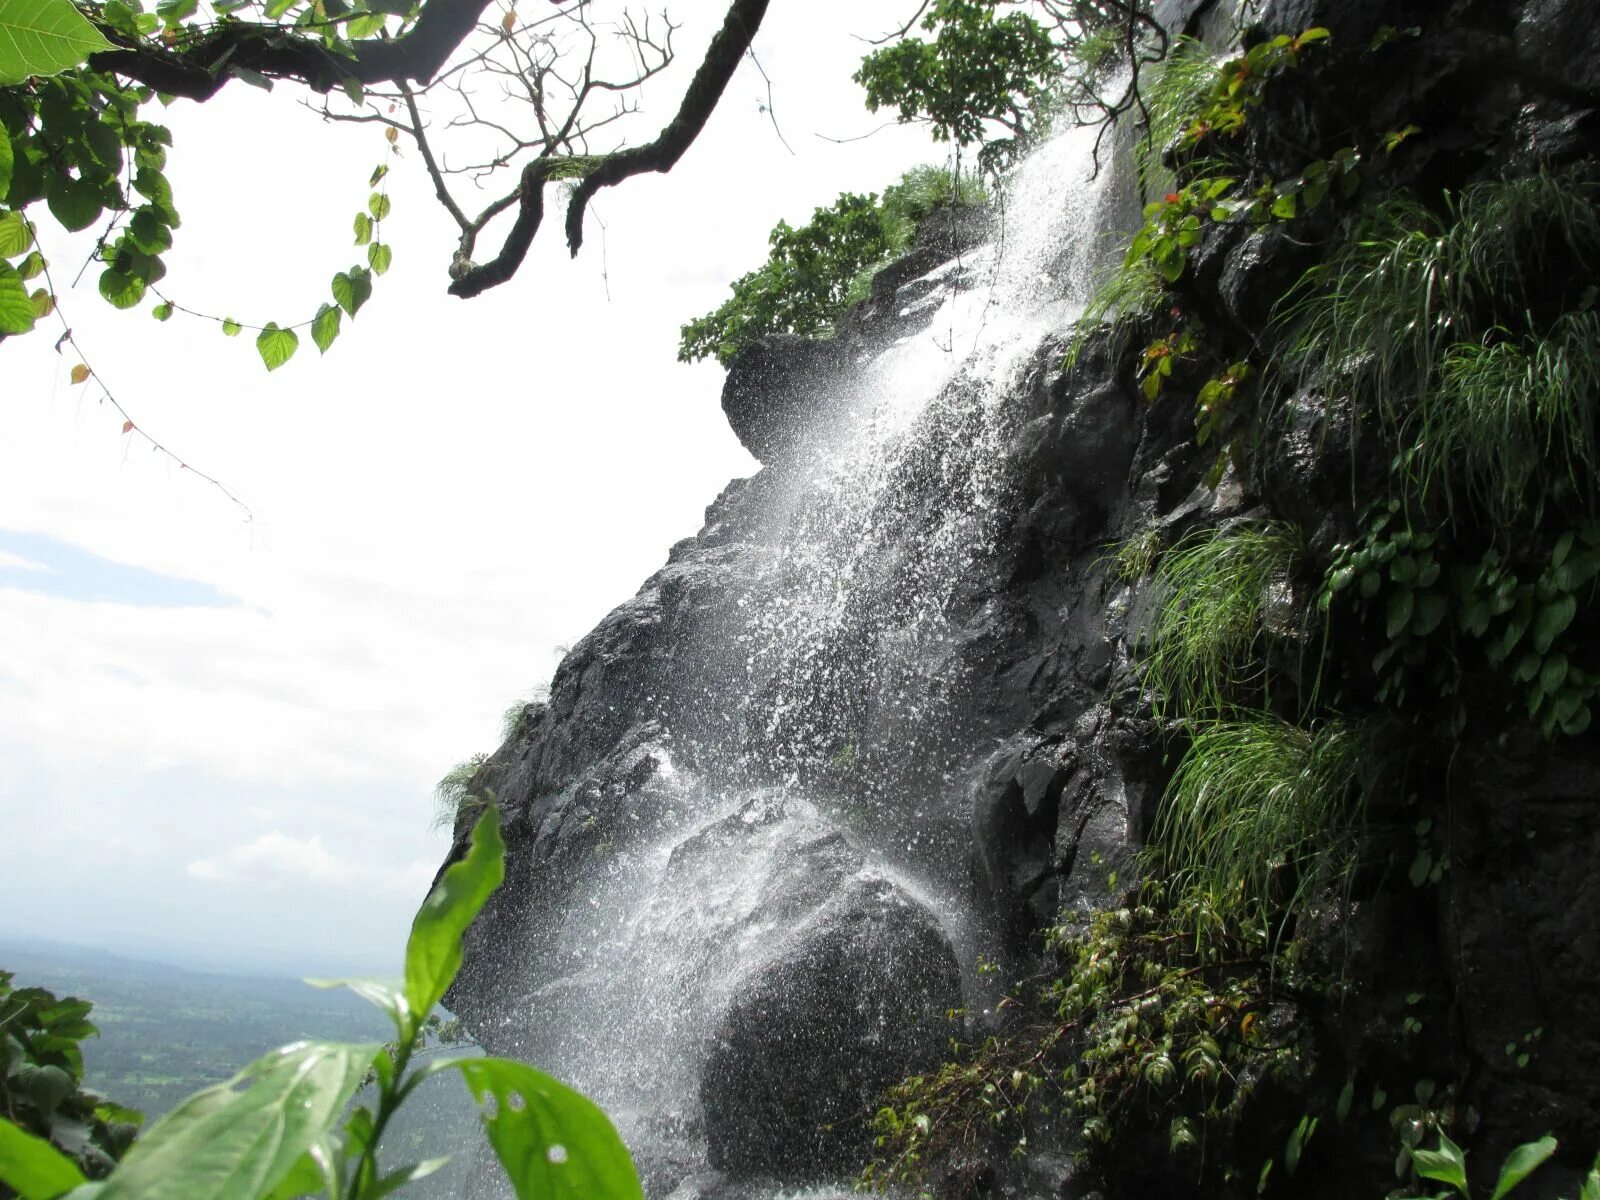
[[433, 952], [325, 327], [277, 346], [231, 327], [119, 290], [32, 1167], [242, 1138], [380, 256], [162, 312], [378, 205], [43, 37], [363, 226], [6, 161], [352, 288], [16, 308], [31, 266], [1447, 1164], [43, 302], [76, 204], [15, 236], [80, 374], [554, 1143]]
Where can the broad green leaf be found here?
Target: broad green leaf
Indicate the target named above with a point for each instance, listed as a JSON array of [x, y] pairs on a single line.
[[16, 308], [119, 290], [162, 312], [363, 227], [396, 1180], [6, 161], [325, 327], [43, 303], [15, 236], [32, 1167], [554, 1143], [175, 12], [230, 327], [433, 952], [380, 256], [388, 996], [1447, 1164], [352, 288], [1553, 620], [230, 1144], [378, 205], [43, 37], [31, 266], [277, 346], [76, 204], [1399, 611], [1522, 1162], [149, 233]]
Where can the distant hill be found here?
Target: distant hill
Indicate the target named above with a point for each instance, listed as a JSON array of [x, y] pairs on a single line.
[[167, 1031]]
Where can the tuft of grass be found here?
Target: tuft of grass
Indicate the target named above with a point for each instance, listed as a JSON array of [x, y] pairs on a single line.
[[1204, 644], [1430, 317], [1134, 557], [453, 794], [1262, 814], [1174, 93]]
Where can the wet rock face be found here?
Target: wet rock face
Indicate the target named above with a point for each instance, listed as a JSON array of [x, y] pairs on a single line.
[[853, 1000]]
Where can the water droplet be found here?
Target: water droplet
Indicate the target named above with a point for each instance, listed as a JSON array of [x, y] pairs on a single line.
[[515, 1102], [490, 1108], [557, 1153]]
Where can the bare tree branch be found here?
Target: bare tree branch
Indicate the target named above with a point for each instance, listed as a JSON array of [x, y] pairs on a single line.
[[722, 58]]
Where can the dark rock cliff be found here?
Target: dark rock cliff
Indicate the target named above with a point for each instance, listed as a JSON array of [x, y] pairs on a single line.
[[1040, 780]]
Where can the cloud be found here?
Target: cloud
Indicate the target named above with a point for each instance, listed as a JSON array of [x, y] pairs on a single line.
[[15, 562], [273, 856]]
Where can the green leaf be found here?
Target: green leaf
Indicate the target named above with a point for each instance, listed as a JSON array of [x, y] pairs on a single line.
[[387, 996], [1446, 1165], [378, 205], [433, 952], [380, 256], [396, 1180], [230, 327], [1553, 674], [34, 1168], [1522, 1162], [227, 1144], [175, 12], [363, 225], [43, 37], [15, 236], [1399, 612], [352, 288], [325, 327], [1431, 608], [162, 312], [277, 346], [73, 202], [16, 308], [7, 161], [31, 266], [119, 290], [1553, 620], [554, 1143]]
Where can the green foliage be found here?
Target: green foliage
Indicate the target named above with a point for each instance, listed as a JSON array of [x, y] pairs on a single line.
[[274, 1131], [1517, 612], [1175, 91], [43, 37], [1262, 815], [813, 272], [453, 794], [41, 1082], [1241, 84], [982, 65], [1447, 1164], [1471, 333], [1204, 646], [1135, 557]]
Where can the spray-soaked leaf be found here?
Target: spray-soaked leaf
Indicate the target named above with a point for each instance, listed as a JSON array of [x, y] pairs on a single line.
[[242, 1138], [43, 37], [433, 952], [276, 346], [553, 1142]]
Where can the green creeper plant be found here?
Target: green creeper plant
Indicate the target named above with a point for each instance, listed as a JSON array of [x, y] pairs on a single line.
[[283, 1127], [1447, 1165]]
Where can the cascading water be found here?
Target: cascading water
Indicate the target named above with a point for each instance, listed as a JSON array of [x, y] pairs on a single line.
[[791, 868]]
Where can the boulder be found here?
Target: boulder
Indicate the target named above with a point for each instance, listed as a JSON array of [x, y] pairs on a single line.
[[854, 1000]]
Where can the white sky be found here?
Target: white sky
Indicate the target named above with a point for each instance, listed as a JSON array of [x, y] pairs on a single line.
[[456, 490]]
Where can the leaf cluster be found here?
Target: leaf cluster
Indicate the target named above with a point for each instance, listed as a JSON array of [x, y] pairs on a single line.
[[283, 1127], [41, 1079], [815, 271]]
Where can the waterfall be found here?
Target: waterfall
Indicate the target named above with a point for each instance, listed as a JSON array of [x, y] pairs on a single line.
[[800, 811]]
